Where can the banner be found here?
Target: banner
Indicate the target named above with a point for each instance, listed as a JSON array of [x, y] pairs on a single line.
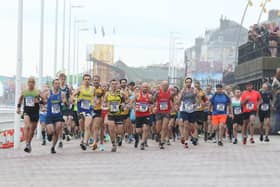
[[104, 53]]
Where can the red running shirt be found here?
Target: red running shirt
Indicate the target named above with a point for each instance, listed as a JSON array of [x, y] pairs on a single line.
[[164, 101], [251, 104], [142, 105]]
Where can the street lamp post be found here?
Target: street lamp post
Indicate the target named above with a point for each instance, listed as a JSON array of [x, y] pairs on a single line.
[[55, 40], [69, 41], [249, 2], [41, 59], [77, 54], [18, 72], [63, 37]]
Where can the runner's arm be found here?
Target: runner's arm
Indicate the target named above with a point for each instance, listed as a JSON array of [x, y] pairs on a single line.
[[19, 102]]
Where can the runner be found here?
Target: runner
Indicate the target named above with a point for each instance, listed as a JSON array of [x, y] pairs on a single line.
[[220, 103], [85, 97], [229, 123], [115, 102], [237, 113], [187, 111], [43, 115], [66, 112], [127, 127], [264, 112], [250, 101], [97, 118], [143, 99], [200, 114], [30, 98], [208, 128], [54, 120], [172, 127], [163, 106]]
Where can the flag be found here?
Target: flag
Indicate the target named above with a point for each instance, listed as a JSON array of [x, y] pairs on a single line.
[[278, 13], [250, 3], [94, 29], [102, 30], [264, 10], [114, 31], [261, 5], [269, 1]]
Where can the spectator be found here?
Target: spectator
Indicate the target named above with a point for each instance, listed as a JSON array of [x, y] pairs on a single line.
[[273, 39], [276, 101]]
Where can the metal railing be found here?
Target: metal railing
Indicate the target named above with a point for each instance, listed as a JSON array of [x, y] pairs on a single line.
[[254, 49]]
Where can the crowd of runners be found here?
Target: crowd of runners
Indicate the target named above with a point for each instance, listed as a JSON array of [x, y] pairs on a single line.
[[120, 111]]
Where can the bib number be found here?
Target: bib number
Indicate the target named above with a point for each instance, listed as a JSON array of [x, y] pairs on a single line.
[[163, 106], [56, 108], [114, 107], [85, 104], [250, 106], [30, 101], [143, 107], [237, 110], [221, 107], [188, 107], [264, 107]]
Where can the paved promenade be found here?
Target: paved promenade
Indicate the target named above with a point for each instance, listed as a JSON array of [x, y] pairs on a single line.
[[204, 165]]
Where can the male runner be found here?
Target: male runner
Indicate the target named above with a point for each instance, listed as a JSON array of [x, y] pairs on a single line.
[[55, 100], [250, 101]]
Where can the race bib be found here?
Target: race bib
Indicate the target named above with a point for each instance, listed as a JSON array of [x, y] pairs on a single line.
[[30, 101], [143, 107], [221, 107], [250, 106], [237, 110], [188, 107], [55, 108], [114, 107], [85, 104], [264, 107], [163, 106]]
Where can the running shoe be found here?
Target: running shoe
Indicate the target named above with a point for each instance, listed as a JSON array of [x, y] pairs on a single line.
[[94, 146], [266, 139], [161, 146], [146, 144], [90, 141], [83, 146], [101, 147], [60, 145], [261, 137], [186, 145], [244, 140], [53, 150], [27, 149], [252, 141], [220, 143], [168, 142], [44, 142], [142, 146], [49, 137], [182, 140], [107, 138], [114, 148], [235, 141]]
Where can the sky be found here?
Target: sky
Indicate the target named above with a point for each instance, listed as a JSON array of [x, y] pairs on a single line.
[[142, 28]]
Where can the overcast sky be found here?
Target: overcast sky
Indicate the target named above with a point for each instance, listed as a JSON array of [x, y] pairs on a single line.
[[142, 28]]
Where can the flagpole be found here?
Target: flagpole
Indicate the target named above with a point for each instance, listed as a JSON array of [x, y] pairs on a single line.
[[18, 72], [239, 32], [55, 40], [262, 10], [63, 37], [41, 59]]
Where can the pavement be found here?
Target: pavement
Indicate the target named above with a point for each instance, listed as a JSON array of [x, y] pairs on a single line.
[[204, 165]]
